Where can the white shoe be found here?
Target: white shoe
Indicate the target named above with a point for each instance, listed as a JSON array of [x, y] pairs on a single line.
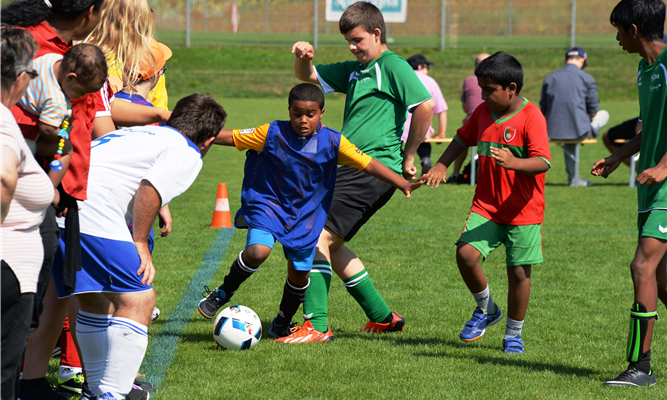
[[156, 314]]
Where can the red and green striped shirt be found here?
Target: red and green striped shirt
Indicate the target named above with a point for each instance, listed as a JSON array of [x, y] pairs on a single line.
[[504, 196]]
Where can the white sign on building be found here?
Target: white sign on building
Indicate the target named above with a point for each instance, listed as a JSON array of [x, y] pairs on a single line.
[[392, 10]]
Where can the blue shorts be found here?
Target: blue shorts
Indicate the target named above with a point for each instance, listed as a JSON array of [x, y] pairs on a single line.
[[302, 260], [106, 266]]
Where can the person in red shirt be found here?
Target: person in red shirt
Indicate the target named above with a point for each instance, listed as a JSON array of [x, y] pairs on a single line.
[[508, 208]]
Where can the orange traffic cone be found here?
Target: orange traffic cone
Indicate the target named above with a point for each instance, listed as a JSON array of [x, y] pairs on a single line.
[[221, 216]]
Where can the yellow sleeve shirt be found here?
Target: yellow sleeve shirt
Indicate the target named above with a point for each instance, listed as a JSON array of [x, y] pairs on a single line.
[[251, 139], [350, 155], [255, 138]]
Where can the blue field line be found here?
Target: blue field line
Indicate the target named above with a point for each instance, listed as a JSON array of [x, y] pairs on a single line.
[[458, 229], [163, 345]]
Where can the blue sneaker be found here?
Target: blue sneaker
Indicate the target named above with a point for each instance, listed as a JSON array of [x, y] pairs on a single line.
[[513, 345], [212, 301], [475, 328]]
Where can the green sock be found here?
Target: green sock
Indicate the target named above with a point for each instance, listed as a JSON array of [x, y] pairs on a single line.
[[362, 289], [315, 306]]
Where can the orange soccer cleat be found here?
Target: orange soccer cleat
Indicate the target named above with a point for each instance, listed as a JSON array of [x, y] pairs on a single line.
[[307, 334], [396, 325]]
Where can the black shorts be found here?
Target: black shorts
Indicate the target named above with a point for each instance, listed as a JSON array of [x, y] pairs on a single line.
[[626, 131], [357, 196]]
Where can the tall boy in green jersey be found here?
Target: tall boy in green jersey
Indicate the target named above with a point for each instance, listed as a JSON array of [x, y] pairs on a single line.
[[381, 88], [640, 25], [508, 208]]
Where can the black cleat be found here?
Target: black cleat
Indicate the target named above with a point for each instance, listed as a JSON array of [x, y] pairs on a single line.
[[633, 377], [211, 303]]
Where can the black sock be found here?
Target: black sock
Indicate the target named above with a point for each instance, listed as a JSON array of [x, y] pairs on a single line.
[[644, 363], [387, 319], [293, 297], [238, 273]]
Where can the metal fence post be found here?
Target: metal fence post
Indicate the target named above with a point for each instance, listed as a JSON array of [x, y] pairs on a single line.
[[187, 23], [266, 17], [315, 26], [573, 22], [509, 21], [443, 21]]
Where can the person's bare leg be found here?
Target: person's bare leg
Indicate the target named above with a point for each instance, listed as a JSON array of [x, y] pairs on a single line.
[[648, 256], [518, 292], [467, 259], [661, 278]]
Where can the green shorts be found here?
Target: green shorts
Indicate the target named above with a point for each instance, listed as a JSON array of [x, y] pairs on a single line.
[[523, 243], [653, 224]]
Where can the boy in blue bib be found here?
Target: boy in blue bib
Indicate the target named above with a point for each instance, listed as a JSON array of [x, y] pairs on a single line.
[[290, 173]]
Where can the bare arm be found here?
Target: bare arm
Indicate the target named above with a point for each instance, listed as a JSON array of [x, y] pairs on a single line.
[[442, 125], [421, 121], [125, 113], [528, 166], [147, 203], [102, 126], [10, 175], [380, 171], [49, 132], [303, 62], [465, 107], [438, 173], [224, 138], [608, 165]]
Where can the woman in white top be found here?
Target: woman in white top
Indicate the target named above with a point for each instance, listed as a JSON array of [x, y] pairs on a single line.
[[26, 194]]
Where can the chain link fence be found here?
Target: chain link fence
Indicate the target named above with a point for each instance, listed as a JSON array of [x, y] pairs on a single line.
[[430, 23]]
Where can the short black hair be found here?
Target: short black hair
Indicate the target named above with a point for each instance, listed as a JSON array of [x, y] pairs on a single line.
[[647, 15], [306, 92], [199, 117], [87, 62], [365, 15], [503, 69]]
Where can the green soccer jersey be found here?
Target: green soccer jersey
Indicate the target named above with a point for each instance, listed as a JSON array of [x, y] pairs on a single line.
[[379, 96], [652, 85]]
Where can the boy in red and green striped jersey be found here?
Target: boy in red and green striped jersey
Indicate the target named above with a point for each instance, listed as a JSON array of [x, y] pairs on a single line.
[[508, 208]]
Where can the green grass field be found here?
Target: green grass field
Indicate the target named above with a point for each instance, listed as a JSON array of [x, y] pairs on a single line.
[[199, 38], [576, 326]]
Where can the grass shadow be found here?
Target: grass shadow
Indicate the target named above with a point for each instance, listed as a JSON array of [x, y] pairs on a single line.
[[513, 360], [517, 361]]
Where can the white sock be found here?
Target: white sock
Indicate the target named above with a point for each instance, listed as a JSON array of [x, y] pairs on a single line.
[[128, 340], [484, 300], [91, 333], [512, 328], [66, 372]]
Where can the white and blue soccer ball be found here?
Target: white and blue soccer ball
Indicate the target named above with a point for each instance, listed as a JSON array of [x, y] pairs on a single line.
[[237, 328]]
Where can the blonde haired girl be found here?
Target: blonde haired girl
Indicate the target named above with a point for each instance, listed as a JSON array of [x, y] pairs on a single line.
[[124, 32]]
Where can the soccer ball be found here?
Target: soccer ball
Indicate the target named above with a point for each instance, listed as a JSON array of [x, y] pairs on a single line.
[[237, 328]]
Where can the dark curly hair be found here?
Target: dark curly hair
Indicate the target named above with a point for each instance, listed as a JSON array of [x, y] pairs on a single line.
[[26, 13]]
